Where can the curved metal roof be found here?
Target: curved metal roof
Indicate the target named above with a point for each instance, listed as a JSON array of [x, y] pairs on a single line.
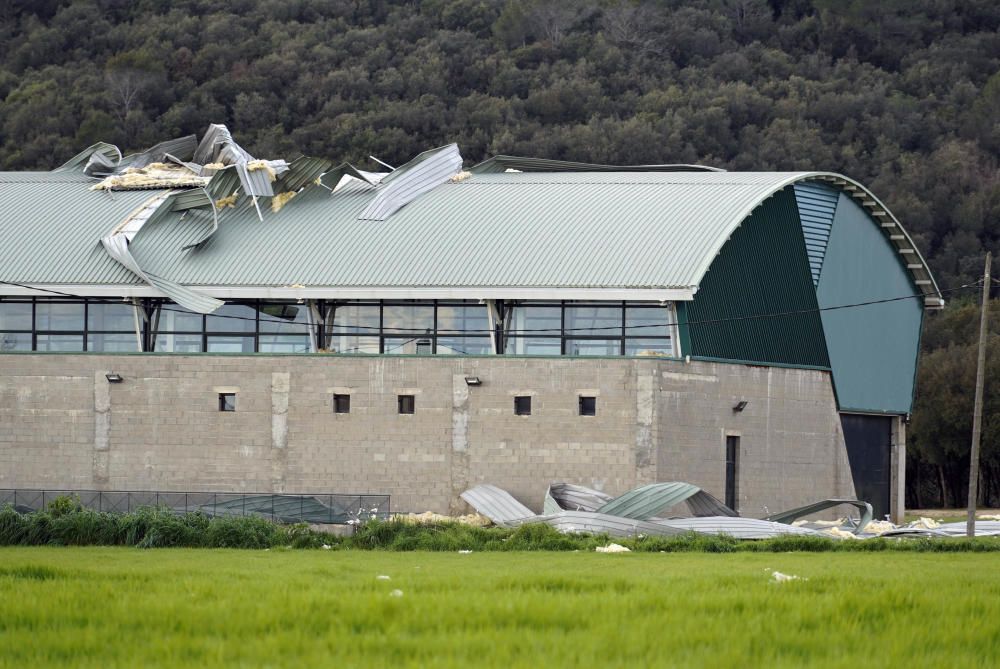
[[654, 232]]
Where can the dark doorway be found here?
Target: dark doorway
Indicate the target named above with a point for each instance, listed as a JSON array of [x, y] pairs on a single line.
[[869, 441], [732, 470]]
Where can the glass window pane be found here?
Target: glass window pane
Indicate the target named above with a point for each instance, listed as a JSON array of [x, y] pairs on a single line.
[[175, 318], [360, 318], [59, 316], [352, 344], [463, 345], [534, 346], [15, 315], [408, 345], [15, 341], [178, 343], [232, 318], [284, 343], [530, 320], [286, 318], [593, 347], [60, 342], [409, 319], [229, 344], [118, 316], [460, 319], [649, 347], [112, 342], [647, 322], [606, 321]]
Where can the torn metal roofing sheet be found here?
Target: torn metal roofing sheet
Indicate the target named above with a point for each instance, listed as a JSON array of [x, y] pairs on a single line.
[[600, 523], [180, 149], [409, 181], [108, 153], [523, 235], [570, 497], [648, 501], [738, 528], [496, 504], [864, 509]]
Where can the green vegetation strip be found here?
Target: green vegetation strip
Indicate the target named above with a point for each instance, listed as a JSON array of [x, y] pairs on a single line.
[[120, 607], [65, 523]]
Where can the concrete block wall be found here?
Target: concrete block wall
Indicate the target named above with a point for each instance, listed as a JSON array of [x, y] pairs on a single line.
[[62, 425]]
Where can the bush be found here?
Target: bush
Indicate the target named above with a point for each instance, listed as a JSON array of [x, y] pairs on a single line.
[[243, 532], [85, 528], [63, 505], [13, 526]]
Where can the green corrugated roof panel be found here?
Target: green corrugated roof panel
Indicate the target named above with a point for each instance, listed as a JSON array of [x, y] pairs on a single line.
[[649, 230], [633, 230], [52, 224]]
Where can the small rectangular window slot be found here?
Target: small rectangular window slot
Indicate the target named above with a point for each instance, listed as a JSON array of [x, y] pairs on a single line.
[[341, 403], [588, 406], [407, 403], [227, 401], [522, 405]]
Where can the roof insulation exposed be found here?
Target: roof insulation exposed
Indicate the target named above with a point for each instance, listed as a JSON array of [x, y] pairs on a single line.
[[508, 225]]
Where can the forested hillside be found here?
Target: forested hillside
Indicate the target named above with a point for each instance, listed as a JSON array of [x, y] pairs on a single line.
[[903, 95]]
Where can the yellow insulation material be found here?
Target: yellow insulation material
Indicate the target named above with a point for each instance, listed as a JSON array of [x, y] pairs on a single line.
[[154, 175], [255, 165], [429, 517], [461, 176], [226, 201], [280, 200]]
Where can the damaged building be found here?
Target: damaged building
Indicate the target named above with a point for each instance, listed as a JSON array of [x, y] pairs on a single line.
[[194, 318]]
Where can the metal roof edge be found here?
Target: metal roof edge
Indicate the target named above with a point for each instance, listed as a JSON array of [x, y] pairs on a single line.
[[366, 292], [876, 210]]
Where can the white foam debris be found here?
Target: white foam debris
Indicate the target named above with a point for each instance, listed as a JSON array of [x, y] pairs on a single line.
[[778, 577], [925, 524], [464, 552], [878, 527], [612, 548], [325, 547], [396, 593], [839, 533], [382, 577], [994, 516]]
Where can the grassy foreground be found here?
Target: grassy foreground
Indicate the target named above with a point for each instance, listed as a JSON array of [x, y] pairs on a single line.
[[124, 607]]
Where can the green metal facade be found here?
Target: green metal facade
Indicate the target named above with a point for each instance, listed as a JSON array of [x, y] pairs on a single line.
[[769, 267], [762, 269], [873, 349]]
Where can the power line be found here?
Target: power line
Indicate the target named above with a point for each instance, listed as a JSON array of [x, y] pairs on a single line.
[[536, 331]]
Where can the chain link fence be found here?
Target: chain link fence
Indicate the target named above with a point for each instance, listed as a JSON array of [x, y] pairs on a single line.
[[335, 509]]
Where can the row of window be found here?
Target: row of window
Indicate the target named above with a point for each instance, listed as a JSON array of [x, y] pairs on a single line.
[[407, 404], [457, 328]]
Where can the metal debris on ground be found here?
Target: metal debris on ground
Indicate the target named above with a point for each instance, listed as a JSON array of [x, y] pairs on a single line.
[[571, 508]]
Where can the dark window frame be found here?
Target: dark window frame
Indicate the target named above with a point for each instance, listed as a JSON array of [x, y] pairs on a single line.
[[587, 405], [224, 406], [341, 403], [621, 334], [406, 405], [522, 405]]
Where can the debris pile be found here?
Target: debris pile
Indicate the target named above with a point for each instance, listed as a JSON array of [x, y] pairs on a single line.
[[573, 508]]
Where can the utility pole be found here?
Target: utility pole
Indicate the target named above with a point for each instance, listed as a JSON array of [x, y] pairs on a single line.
[[977, 414]]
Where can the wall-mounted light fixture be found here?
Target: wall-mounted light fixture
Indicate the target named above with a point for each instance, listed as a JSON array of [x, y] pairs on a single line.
[[114, 378], [473, 381], [740, 406]]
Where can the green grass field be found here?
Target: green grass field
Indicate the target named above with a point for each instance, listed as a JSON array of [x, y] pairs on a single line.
[[125, 607]]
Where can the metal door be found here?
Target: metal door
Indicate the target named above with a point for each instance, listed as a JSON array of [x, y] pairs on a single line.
[[869, 444]]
